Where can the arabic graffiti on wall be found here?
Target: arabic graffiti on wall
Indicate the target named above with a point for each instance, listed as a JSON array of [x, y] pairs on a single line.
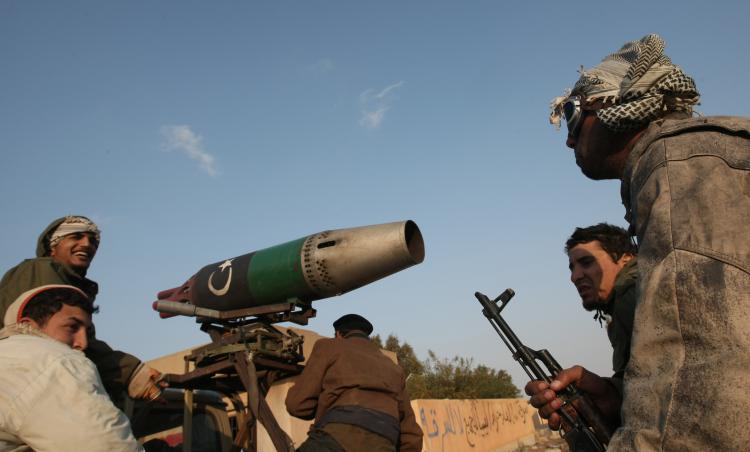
[[455, 425]]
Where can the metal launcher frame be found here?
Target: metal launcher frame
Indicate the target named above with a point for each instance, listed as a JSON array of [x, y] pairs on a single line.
[[246, 354]]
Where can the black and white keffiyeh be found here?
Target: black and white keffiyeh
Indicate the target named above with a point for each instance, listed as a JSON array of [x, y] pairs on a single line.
[[636, 84]]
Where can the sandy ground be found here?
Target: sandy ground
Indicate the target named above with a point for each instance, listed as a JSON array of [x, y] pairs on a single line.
[[546, 441]]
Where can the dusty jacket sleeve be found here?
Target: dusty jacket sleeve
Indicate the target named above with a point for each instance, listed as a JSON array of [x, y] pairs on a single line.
[[67, 409], [302, 398], [411, 433]]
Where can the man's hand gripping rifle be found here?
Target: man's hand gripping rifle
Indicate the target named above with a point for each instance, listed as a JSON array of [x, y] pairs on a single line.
[[583, 426]]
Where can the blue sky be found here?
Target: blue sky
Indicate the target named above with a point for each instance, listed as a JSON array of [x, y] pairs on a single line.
[[197, 131]]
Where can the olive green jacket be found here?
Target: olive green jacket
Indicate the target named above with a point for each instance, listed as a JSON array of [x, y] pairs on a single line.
[[115, 367], [621, 307]]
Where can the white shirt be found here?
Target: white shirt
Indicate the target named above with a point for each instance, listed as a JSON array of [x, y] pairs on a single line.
[[52, 399]]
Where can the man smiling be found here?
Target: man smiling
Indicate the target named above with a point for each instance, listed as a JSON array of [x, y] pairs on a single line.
[[65, 250], [76, 249], [64, 253]]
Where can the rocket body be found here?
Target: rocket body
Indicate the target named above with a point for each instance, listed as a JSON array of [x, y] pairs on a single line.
[[310, 268]]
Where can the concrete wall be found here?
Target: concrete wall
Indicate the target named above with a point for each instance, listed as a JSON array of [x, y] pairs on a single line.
[[476, 425], [448, 425]]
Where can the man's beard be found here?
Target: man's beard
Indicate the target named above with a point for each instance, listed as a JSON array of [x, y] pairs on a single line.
[[593, 305]]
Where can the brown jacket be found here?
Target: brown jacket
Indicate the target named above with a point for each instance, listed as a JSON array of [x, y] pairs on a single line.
[[353, 371]]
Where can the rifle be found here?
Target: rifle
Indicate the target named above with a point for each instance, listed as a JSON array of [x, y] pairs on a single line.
[[585, 430]]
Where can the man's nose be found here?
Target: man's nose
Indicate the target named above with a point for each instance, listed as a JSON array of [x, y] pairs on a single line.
[[87, 241], [575, 274], [571, 142], [81, 340]]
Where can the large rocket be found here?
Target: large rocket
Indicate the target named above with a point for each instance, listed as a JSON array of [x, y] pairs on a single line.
[[310, 268]]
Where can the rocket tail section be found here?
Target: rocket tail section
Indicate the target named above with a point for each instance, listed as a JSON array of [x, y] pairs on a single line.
[[179, 294]]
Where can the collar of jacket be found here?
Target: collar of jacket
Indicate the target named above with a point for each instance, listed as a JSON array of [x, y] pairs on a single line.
[[21, 328], [626, 277], [356, 334]]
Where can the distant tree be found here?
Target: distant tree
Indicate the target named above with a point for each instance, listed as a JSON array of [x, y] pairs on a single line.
[[407, 359], [456, 378]]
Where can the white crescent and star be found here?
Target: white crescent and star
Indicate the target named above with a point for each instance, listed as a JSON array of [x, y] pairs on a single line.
[[219, 292]]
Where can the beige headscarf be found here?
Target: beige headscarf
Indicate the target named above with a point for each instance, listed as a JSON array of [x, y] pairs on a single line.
[[70, 225], [639, 83]]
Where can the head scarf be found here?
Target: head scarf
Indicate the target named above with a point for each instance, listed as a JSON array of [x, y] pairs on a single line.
[[636, 84], [70, 225]]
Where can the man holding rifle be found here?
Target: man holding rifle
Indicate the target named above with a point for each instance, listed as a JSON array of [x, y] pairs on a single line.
[[602, 264], [685, 188]]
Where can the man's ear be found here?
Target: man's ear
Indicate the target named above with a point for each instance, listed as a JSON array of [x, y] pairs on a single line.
[[31, 322], [625, 258]]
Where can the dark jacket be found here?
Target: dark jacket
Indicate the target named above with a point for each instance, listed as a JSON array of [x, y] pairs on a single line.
[[621, 307], [354, 372], [115, 367]]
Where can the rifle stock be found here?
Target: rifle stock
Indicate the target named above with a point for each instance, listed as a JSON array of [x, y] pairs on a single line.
[[585, 430]]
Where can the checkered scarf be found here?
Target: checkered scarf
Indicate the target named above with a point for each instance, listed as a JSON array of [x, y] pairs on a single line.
[[638, 83]]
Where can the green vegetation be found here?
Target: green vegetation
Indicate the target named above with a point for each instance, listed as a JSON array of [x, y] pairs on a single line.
[[456, 378]]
